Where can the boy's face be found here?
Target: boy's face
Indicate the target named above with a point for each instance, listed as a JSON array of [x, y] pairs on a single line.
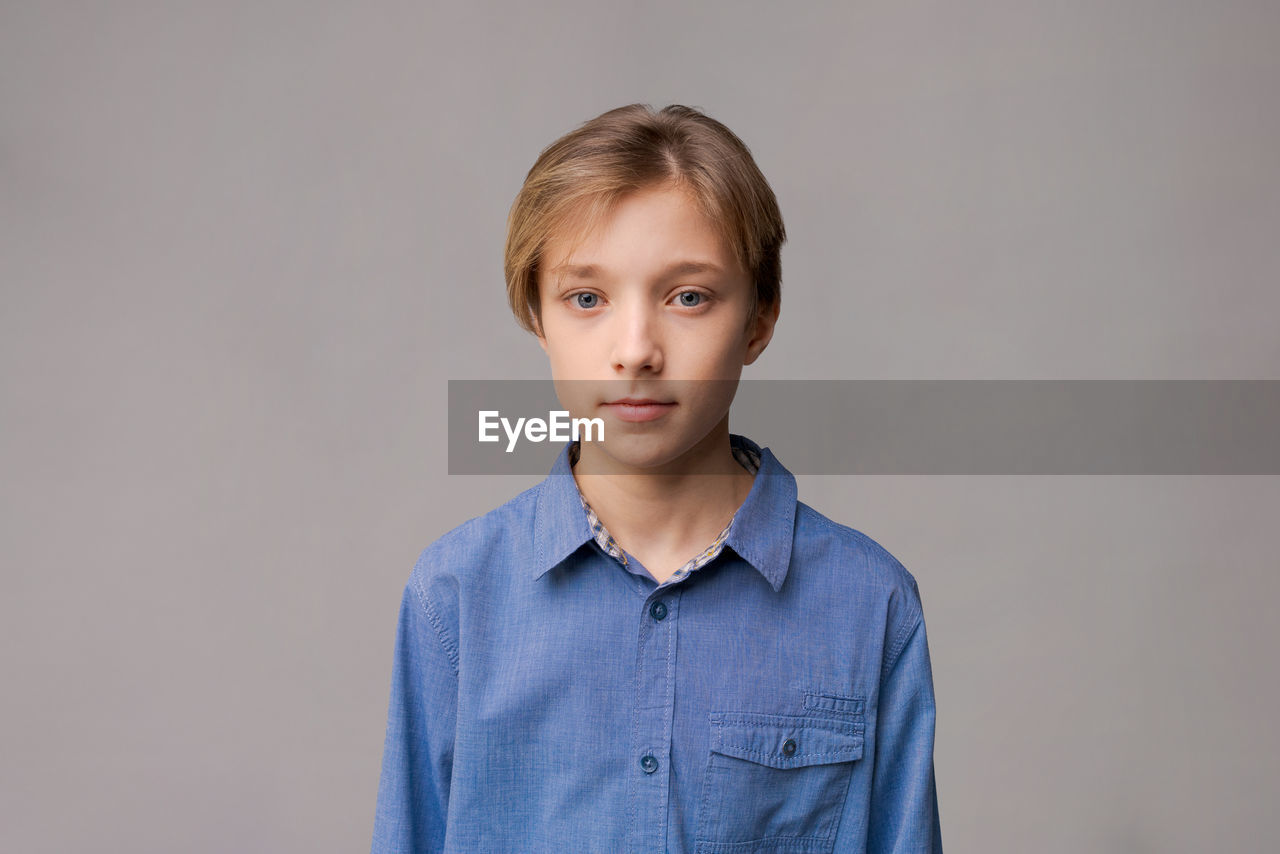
[[646, 327]]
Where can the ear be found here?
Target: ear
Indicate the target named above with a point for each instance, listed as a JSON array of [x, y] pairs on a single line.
[[538, 332], [761, 330]]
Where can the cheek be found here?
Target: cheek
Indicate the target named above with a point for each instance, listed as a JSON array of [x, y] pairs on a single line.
[[571, 356], [561, 360], [721, 351]]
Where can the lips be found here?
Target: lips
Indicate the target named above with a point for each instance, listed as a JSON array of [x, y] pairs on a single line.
[[638, 409]]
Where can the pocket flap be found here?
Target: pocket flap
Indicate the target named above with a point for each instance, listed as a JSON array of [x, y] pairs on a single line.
[[786, 741]]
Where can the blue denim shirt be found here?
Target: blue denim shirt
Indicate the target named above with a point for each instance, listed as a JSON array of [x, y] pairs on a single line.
[[547, 697]]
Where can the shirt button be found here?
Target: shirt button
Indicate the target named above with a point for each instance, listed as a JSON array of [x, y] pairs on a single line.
[[789, 747], [658, 610], [648, 764]]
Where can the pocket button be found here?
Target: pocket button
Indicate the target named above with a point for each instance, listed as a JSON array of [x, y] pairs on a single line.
[[789, 747]]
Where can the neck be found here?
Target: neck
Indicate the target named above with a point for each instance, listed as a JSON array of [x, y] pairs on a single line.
[[666, 514]]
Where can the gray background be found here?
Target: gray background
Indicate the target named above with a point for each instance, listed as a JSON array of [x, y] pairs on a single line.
[[244, 245]]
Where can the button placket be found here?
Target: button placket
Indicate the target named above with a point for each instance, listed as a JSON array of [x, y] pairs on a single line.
[[654, 710]]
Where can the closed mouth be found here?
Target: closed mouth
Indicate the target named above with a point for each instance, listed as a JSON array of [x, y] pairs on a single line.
[[638, 401]]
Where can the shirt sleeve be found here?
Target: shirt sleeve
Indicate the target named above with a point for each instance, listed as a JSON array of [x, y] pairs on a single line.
[[417, 758], [904, 800]]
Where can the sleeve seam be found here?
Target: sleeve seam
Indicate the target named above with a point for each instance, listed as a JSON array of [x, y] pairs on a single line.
[[900, 643], [449, 648]]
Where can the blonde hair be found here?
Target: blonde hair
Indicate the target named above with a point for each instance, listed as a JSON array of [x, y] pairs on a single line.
[[577, 179]]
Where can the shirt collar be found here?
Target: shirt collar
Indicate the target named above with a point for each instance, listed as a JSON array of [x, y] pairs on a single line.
[[761, 533], [560, 524], [763, 527]]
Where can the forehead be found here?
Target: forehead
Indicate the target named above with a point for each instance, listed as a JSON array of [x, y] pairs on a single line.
[[652, 230]]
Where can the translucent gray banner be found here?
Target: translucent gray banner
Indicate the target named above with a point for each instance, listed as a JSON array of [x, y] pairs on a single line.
[[990, 427]]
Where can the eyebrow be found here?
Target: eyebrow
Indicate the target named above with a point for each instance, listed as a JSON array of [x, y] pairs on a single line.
[[678, 268]]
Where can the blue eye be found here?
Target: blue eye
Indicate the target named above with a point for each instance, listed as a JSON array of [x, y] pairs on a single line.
[[689, 299], [586, 300]]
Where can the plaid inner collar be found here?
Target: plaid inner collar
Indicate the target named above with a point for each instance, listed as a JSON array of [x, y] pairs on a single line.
[[746, 458]]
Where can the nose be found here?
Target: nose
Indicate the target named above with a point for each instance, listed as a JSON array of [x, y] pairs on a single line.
[[637, 348]]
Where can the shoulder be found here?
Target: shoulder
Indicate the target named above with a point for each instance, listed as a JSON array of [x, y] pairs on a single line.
[[860, 563], [864, 572], [460, 556]]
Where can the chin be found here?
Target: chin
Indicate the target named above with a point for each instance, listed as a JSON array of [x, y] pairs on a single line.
[[643, 451], [649, 447]]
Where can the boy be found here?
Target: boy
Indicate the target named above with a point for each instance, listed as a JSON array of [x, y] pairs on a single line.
[[637, 655]]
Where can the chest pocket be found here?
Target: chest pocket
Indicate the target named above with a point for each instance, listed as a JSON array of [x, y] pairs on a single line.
[[776, 783]]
